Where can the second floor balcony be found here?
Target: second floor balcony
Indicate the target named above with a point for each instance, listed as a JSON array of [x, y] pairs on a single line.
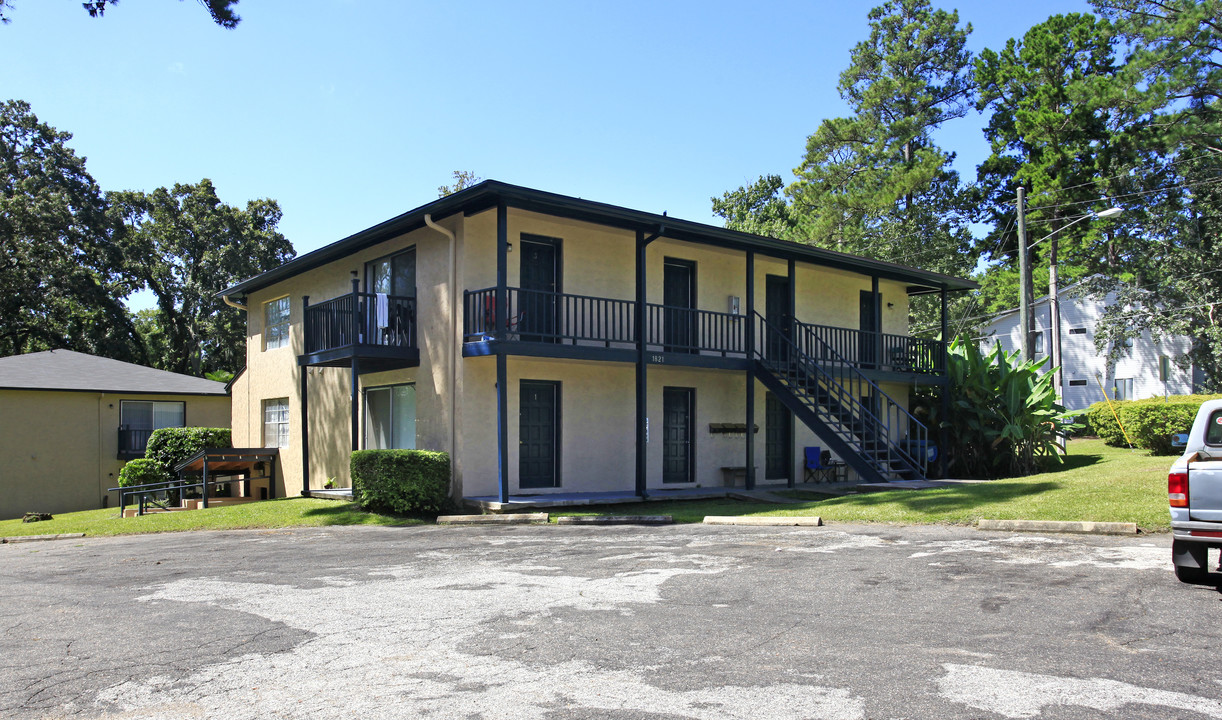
[[375, 329], [540, 318]]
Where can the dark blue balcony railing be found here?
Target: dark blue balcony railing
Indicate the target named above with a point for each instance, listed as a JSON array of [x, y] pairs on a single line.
[[564, 318], [354, 319]]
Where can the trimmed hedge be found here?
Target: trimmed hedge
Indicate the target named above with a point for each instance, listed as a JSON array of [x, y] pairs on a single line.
[[169, 446], [1150, 423], [406, 482], [140, 471]]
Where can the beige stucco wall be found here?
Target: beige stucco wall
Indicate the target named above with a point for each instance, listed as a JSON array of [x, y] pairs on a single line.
[[61, 454], [273, 374]]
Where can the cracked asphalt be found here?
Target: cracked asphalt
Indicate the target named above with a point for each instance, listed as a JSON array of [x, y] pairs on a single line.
[[690, 621]]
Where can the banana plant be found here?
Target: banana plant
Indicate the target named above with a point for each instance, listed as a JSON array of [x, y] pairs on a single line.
[[1003, 416]]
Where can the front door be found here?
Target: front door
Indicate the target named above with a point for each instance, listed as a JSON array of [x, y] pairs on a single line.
[[867, 343], [776, 312], [679, 299], [677, 445], [777, 433], [540, 281], [538, 434]]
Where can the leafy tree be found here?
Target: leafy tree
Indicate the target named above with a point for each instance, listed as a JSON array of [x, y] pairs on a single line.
[[222, 11], [463, 179], [875, 183], [1163, 257], [1172, 76], [184, 245], [1047, 138], [61, 280]]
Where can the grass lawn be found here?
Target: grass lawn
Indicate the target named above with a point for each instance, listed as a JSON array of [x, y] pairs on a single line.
[[1096, 483], [285, 512]]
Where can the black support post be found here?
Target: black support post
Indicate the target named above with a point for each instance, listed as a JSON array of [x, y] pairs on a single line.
[[305, 427], [502, 371], [502, 269], [878, 322], [642, 395], [204, 489], [356, 403], [791, 473], [749, 472], [945, 394], [502, 436]]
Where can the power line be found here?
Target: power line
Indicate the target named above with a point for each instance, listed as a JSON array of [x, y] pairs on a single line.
[[1199, 183]]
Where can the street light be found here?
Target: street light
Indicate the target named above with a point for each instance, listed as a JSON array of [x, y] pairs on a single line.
[[1027, 291]]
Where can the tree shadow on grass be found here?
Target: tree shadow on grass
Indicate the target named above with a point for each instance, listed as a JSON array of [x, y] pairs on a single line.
[[1073, 462], [346, 513], [956, 497]]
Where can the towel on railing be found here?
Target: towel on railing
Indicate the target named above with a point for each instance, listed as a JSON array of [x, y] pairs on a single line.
[[381, 310]]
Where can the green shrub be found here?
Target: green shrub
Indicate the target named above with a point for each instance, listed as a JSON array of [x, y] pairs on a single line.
[[1149, 423], [141, 471], [407, 482], [170, 446], [1103, 422]]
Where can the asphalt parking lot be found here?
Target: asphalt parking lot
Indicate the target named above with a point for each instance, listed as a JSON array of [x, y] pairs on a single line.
[[692, 621]]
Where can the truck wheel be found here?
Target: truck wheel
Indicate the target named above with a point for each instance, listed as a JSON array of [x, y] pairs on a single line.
[[1190, 552], [1194, 576]]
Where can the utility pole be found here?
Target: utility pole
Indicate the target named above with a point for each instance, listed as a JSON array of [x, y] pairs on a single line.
[[1054, 315], [1026, 291]]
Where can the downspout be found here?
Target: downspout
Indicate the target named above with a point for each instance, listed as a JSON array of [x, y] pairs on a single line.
[[428, 220], [234, 304]]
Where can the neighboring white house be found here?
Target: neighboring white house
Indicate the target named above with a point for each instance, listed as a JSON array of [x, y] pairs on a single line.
[[1134, 376]]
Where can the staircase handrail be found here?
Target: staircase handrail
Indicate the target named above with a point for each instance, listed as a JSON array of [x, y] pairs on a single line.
[[856, 371], [856, 408]]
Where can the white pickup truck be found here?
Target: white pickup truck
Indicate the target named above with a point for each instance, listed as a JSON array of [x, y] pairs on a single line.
[[1194, 488]]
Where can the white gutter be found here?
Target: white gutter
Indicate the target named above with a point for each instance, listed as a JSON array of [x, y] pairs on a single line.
[[234, 304], [428, 220]]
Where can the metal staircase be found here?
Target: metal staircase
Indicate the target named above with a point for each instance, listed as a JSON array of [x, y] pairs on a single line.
[[878, 438]]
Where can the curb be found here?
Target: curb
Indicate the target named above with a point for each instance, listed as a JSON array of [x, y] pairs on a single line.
[[614, 520], [41, 538], [808, 521], [507, 519], [1058, 526]]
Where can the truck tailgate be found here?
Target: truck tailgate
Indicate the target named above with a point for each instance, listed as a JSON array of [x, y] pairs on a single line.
[[1205, 491]]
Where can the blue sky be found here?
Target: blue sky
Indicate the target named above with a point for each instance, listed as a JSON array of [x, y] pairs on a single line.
[[351, 111]]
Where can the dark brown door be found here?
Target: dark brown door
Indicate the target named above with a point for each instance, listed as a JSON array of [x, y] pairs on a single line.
[[538, 434], [540, 281], [677, 435]]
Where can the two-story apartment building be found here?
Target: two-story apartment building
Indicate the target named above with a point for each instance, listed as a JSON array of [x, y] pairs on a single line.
[[557, 345]]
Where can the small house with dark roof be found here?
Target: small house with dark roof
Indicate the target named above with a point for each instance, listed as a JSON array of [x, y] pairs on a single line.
[[71, 420], [566, 350]]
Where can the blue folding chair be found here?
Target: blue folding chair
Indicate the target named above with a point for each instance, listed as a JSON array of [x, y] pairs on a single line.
[[820, 468]]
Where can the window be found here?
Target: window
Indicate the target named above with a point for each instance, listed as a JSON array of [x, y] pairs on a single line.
[[1077, 383], [1037, 342], [139, 418], [1077, 331], [390, 418], [276, 324], [1123, 389], [276, 423], [394, 275], [1213, 431]]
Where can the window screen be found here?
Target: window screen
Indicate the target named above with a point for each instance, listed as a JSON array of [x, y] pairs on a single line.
[[276, 423], [276, 323]]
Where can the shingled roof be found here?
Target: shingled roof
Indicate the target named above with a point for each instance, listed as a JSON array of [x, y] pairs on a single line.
[[68, 370]]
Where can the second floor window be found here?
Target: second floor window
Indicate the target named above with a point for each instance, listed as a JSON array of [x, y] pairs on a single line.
[[276, 324], [394, 275]]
